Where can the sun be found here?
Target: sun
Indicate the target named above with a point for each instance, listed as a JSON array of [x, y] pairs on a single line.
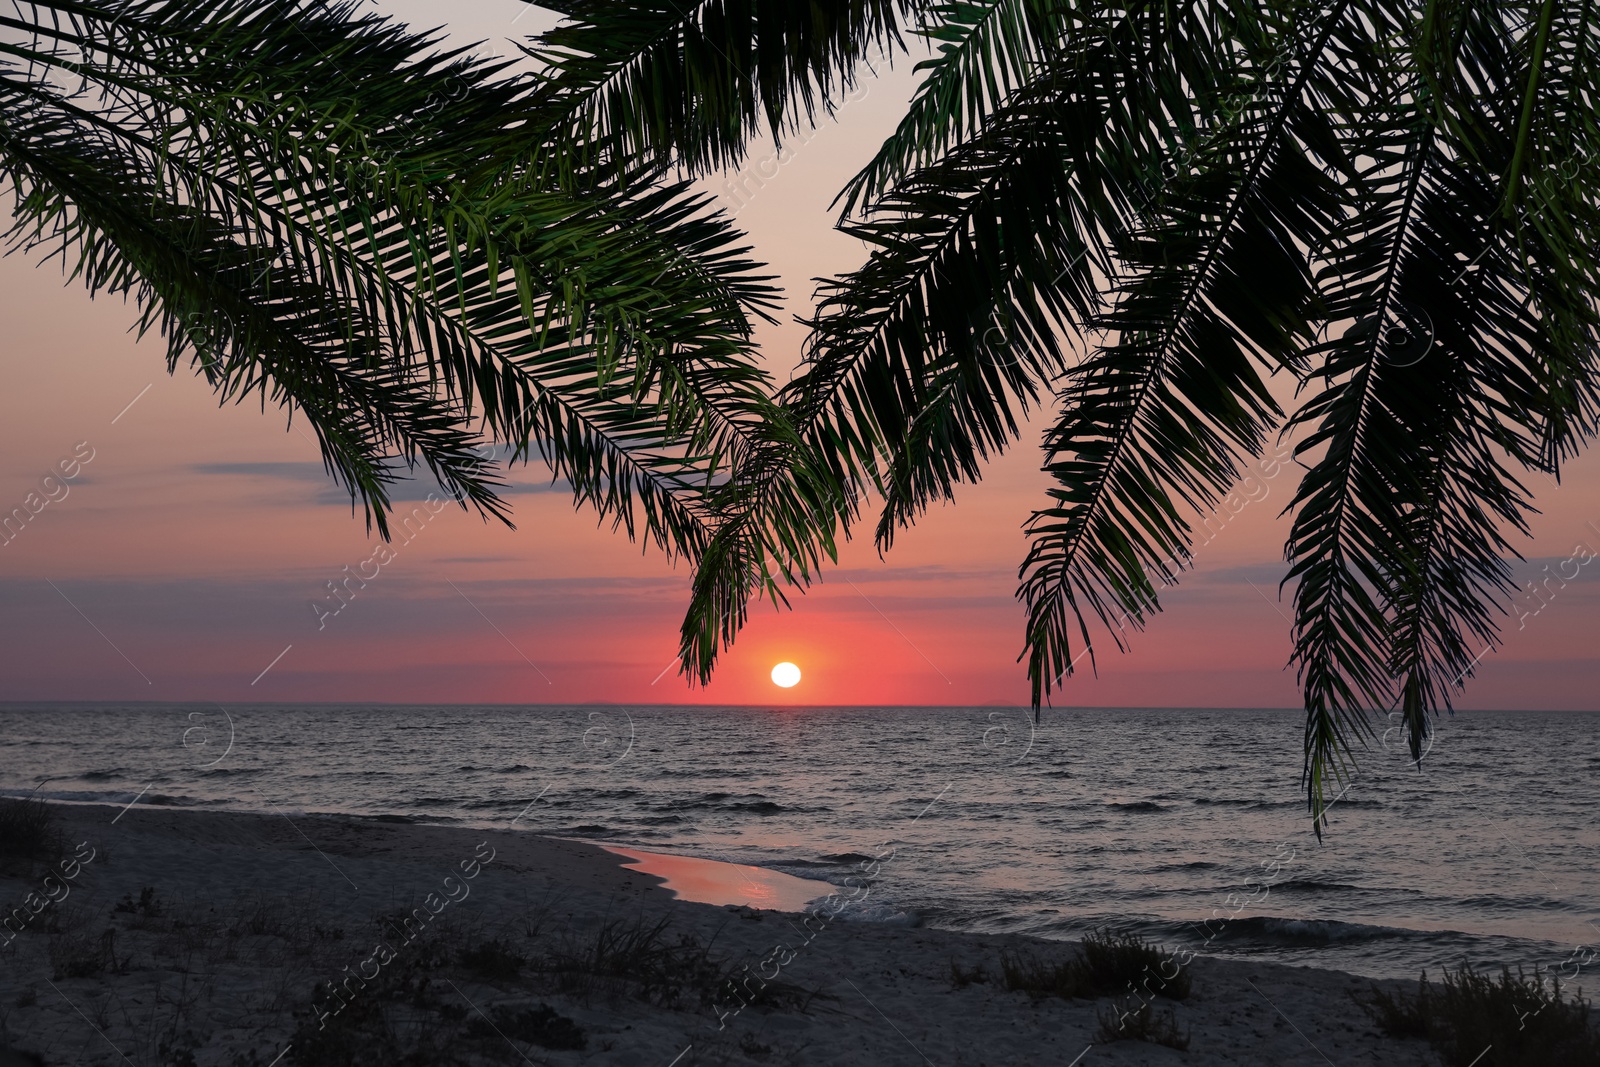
[[786, 675]]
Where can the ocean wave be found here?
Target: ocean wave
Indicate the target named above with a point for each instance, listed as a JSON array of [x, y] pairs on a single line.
[[1310, 885], [755, 807], [78, 796], [167, 800], [832, 861], [884, 914], [844, 857], [1517, 904], [743, 803], [1134, 805], [585, 830], [1277, 930], [1243, 804], [493, 803]]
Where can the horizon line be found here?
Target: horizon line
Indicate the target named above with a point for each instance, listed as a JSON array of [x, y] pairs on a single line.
[[761, 706]]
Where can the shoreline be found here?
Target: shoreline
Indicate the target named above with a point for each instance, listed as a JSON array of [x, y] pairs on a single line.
[[231, 935], [718, 881], [1115, 848]]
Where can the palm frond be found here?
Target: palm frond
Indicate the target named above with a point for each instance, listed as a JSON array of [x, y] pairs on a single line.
[[988, 52], [922, 363], [1434, 387], [408, 256], [692, 83], [1214, 289]]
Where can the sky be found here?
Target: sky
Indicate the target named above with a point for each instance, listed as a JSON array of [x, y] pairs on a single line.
[[183, 560]]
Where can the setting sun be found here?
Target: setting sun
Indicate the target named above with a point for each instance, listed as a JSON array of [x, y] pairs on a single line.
[[786, 675]]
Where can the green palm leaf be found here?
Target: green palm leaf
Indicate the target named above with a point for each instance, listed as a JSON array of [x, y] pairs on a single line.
[[1214, 289], [1218, 192], [1435, 389], [408, 259], [692, 83]]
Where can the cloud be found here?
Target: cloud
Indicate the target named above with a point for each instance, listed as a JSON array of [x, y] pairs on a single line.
[[291, 472], [933, 572], [407, 488], [1264, 574]]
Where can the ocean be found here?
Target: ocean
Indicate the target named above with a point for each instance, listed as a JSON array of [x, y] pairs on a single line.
[[1186, 826]]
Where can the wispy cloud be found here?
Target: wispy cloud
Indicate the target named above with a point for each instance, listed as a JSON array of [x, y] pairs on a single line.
[[406, 488], [292, 471]]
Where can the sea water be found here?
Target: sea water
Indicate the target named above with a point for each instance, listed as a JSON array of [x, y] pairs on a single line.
[[1184, 826]]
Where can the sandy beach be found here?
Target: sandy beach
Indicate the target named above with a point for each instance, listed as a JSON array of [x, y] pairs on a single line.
[[181, 937]]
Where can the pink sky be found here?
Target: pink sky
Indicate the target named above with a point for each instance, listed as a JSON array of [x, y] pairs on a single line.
[[186, 555]]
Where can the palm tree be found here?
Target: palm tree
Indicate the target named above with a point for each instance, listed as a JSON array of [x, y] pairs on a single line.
[[319, 208], [1391, 205]]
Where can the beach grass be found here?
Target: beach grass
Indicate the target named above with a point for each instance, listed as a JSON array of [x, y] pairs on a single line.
[[29, 832], [416, 1012], [1472, 1019], [638, 958], [1122, 1021], [1105, 964], [962, 977]]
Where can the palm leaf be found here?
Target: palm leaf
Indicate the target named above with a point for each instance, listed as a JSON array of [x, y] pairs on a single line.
[[692, 83], [405, 260], [1434, 388], [1214, 288]]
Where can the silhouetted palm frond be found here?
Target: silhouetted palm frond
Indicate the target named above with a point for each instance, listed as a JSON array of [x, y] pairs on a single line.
[[1392, 207], [316, 205], [691, 83]]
